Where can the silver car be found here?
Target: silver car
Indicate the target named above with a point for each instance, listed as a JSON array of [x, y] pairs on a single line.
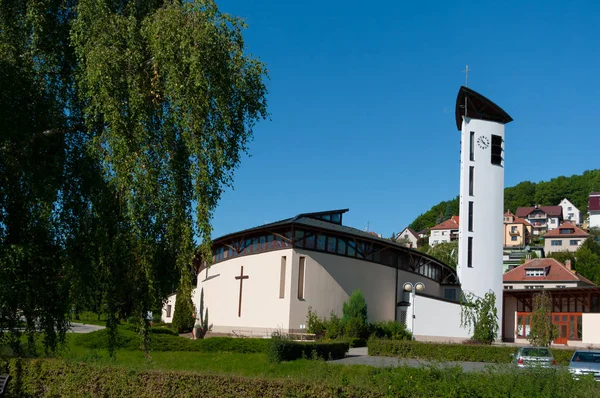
[[585, 362], [530, 357]]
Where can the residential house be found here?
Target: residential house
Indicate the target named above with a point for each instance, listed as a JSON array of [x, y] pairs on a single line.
[[570, 212], [408, 237], [594, 209], [517, 231], [446, 231], [541, 218], [567, 237], [544, 273]]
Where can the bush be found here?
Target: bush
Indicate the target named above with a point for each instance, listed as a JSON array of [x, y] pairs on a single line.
[[390, 330], [353, 341], [356, 327], [314, 324], [183, 317], [452, 352], [287, 350], [333, 327]]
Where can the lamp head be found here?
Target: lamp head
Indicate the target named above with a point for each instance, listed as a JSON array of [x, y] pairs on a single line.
[[420, 286], [408, 287]]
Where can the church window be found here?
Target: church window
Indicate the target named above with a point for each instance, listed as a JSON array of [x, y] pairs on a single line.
[[282, 278], [471, 173], [270, 240], [248, 246], [470, 216], [351, 248], [321, 242], [497, 151], [310, 241], [301, 278], [472, 147], [331, 242], [341, 246], [168, 311], [470, 252]]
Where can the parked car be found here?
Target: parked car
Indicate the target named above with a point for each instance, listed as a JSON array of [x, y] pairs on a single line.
[[529, 357], [585, 362]]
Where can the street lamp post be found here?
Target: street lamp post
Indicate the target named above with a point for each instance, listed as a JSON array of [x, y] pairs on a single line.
[[413, 289]]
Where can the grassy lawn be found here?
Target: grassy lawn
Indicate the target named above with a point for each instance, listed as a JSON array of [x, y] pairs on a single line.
[[90, 318]]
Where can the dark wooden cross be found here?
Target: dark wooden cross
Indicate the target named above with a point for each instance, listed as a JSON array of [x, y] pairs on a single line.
[[241, 278]]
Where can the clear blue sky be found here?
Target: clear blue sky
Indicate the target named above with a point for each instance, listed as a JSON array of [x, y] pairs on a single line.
[[361, 96]]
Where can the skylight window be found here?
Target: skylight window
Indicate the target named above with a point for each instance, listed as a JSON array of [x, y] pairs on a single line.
[[535, 272]]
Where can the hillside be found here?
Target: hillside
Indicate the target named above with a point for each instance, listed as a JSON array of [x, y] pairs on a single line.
[[545, 193]]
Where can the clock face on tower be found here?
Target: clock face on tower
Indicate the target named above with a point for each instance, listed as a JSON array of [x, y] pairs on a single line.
[[483, 142]]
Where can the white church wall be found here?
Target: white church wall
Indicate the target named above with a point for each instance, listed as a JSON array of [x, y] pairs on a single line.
[[331, 279], [168, 309], [436, 320], [262, 311], [590, 333]]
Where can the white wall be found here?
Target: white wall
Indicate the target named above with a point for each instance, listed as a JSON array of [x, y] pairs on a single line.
[[488, 213], [594, 219], [566, 204], [590, 333], [436, 320], [406, 234], [438, 236], [170, 301]]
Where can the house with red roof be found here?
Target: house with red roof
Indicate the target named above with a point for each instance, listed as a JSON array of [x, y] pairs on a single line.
[[544, 273], [541, 218], [567, 237], [517, 231], [408, 237], [445, 231], [594, 209]]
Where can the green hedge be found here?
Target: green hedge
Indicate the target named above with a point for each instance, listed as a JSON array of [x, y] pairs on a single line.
[[289, 350], [128, 340], [452, 352], [352, 341], [52, 377]]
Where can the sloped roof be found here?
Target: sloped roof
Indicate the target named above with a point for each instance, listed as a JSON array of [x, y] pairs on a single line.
[[549, 210], [519, 220], [451, 223], [577, 232], [478, 107], [409, 230], [555, 272]]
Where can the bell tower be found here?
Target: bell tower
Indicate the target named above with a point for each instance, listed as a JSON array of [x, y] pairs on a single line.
[[480, 233]]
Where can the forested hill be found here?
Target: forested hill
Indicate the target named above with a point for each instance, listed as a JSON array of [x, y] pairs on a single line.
[[546, 193]]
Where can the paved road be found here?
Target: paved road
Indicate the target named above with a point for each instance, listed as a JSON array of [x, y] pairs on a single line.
[[84, 328], [359, 356]]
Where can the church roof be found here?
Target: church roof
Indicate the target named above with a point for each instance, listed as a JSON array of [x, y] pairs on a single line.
[[478, 107]]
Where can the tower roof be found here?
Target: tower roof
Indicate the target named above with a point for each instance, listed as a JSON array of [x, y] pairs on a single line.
[[478, 107]]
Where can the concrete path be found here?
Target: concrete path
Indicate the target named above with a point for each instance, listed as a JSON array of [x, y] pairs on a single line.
[[359, 356], [84, 328]]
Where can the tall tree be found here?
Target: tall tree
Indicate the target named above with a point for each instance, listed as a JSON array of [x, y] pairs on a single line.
[[122, 122]]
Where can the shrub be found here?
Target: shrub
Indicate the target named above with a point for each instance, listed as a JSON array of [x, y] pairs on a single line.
[[390, 330], [333, 327], [183, 318], [356, 327], [287, 350], [355, 307], [452, 352], [353, 341], [314, 324]]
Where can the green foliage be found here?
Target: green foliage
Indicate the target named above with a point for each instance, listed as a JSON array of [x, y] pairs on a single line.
[[314, 324], [542, 332], [287, 350], [562, 256], [480, 315], [354, 316], [446, 252], [390, 330], [576, 188], [201, 327], [122, 123], [452, 352], [586, 260], [333, 327], [183, 317], [353, 341]]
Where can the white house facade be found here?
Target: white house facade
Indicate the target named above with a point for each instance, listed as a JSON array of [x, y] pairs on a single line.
[[570, 212], [445, 231], [594, 209], [481, 230], [409, 238]]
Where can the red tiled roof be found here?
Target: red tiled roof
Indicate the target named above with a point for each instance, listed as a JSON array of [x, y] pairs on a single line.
[[556, 272], [411, 231], [519, 220], [508, 213], [452, 223], [577, 232], [594, 201], [550, 210]]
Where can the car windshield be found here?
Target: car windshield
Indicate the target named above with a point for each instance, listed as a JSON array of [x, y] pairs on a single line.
[[590, 357], [535, 352]]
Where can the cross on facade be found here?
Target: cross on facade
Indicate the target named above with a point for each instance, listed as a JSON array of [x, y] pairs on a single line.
[[467, 75], [241, 279]]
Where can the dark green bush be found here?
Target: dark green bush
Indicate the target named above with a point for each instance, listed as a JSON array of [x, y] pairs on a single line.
[[452, 352], [353, 341], [390, 330], [333, 327], [183, 317], [288, 350]]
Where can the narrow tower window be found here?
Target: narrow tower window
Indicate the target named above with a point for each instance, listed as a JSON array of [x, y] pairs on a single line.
[[497, 151], [470, 217], [471, 176], [470, 253], [472, 146], [301, 279], [282, 278]]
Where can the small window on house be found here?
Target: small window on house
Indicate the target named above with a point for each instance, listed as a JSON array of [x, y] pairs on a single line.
[[471, 176], [472, 147], [569, 208], [574, 242], [556, 242], [535, 272], [508, 287], [470, 216], [282, 278], [301, 278], [513, 238], [497, 151], [470, 252], [168, 311]]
